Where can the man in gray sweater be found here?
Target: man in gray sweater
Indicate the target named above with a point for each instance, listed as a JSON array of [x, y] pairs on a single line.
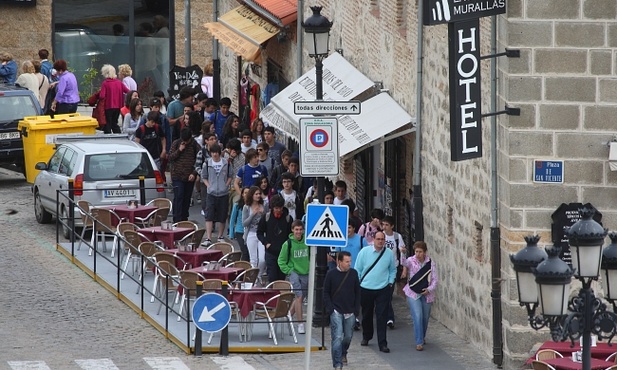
[[216, 174]]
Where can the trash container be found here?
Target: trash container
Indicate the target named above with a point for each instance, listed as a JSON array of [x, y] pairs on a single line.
[[38, 134]]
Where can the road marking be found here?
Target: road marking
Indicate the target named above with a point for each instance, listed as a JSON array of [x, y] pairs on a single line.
[[166, 363], [97, 364], [232, 363], [28, 365]]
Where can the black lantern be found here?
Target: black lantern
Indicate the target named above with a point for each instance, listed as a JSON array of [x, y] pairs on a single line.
[[553, 277], [609, 270], [523, 262], [317, 28], [586, 237]]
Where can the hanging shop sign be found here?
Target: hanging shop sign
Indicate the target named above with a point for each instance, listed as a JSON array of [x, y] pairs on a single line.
[[180, 77], [448, 11]]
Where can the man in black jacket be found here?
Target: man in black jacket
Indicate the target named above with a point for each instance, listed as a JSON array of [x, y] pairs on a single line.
[[273, 231]]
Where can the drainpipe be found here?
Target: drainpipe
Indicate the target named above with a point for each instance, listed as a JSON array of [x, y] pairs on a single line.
[[417, 167], [187, 33], [300, 38], [495, 231], [216, 62]]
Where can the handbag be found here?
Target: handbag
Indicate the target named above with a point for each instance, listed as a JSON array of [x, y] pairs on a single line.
[[419, 281]]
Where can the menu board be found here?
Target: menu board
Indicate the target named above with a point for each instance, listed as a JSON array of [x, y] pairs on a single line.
[[180, 77], [565, 216]]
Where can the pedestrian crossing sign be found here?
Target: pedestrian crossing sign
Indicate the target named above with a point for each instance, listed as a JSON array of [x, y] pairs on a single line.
[[326, 225]]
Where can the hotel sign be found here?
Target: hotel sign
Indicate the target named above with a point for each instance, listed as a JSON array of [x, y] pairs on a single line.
[[448, 11]]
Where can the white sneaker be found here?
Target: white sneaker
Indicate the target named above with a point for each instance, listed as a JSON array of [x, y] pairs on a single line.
[[301, 329]]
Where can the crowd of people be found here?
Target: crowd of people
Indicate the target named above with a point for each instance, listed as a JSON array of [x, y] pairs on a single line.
[[249, 188]]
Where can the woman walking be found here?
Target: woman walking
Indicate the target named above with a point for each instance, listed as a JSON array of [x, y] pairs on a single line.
[[132, 119], [112, 90], [420, 291], [251, 214], [67, 91]]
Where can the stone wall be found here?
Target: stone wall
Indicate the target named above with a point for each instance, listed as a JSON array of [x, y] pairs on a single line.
[[20, 36], [564, 84]]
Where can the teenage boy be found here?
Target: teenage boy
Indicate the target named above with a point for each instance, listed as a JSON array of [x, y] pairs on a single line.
[[248, 174], [264, 159], [152, 137], [279, 168], [175, 110], [294, 261], [276, 148], [341, 296], [293, 201], [203, 155], [273, 231], [340, 192], [394, 241], [217, 176], [220, 116], [237, 160], [156, 104], [182, 157], [247, 141]]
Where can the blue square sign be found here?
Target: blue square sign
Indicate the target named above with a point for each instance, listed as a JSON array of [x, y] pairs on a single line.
[[326, 225], [548, 172]]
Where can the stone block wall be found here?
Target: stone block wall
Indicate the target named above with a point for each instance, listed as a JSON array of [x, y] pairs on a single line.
[[19, 35], [564, 84]]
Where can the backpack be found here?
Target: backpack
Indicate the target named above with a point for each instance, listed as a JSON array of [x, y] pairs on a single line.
[[287, 217], [260, 166]]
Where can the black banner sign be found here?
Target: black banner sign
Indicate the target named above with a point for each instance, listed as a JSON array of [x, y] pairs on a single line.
[[465, 102], [448, 11], [180, 77], [565, 216]]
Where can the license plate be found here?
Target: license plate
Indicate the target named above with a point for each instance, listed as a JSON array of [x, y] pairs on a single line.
[[9, 135], [119, 193]]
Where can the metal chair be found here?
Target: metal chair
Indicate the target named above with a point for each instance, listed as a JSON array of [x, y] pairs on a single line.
[[132, 241], [105, 219], [539, 365], [161, 203], [280, 311], [194, 238], [86, 220], [224, 247], [240, 264], [168, 277], [154, 218], [147, 250], [186, 224], [611, 358], [189, 280], [247, 276], [120, 229], [547, 354], [170, 258], [280, 285], [230, 257]]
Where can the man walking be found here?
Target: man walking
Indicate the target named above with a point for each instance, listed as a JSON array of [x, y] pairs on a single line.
[[341, 296], [374, 263], [182, 157], [216, 175], [273, 231]]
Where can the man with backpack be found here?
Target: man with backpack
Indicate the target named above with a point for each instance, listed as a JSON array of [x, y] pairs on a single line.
[[394, 241], [293, 201], [217, 176], [248, 174], [152, 137], [273, 232], [294, 261]]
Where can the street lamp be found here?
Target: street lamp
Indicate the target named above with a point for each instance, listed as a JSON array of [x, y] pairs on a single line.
[[584, 313], [317, 29]]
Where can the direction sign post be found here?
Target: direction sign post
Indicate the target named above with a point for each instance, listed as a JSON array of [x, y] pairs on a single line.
[[211, 313], [319, 147], [352, 107]]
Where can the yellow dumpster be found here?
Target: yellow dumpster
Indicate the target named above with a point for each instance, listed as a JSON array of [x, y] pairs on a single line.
[[38, 134]]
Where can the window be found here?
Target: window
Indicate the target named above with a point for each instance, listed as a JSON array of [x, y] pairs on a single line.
[[56, 159], [115, 166]]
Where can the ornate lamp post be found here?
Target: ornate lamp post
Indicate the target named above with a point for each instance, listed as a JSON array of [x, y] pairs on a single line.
[[317, 29], [584, 314]]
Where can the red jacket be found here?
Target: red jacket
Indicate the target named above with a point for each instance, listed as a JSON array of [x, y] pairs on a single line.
[[112, 91]]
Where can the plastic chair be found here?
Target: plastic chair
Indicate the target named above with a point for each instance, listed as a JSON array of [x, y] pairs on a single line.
[[539, 365], [240, 264], [280, 311], [547, 354], [189, 280], [106, 220], [154, 218], [161, 203], [186, 224], [224, 247], [86, 220]]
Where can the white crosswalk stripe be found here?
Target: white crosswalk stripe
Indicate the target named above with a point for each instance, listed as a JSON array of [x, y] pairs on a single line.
[[165, 363], [28, 365], [232, 363], [97, 364]]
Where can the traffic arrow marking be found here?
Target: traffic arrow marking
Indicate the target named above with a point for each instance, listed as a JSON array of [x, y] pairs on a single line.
[[206, 316]]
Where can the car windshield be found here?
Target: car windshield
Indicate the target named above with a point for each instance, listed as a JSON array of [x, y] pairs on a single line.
[[111, 166], [16, 107]]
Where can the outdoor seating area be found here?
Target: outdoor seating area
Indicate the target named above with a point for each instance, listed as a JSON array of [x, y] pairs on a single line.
[[563, 356]]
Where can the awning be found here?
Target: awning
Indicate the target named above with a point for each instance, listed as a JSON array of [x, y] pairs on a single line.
[[280, 12], [243, 31], [342, 81]]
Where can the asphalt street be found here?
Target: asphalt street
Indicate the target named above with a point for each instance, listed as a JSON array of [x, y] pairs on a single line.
[[56, 317]]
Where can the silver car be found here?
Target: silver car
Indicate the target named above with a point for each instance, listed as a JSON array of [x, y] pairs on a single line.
[[105, 169]]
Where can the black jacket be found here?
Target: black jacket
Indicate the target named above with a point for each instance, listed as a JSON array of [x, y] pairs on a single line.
[[274, 231]]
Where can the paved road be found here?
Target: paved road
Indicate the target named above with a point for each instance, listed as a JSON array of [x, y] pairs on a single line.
[[55, 317]]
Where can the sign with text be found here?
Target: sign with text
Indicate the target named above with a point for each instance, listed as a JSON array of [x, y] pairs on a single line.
[[448, 11], [331, 108], [548, 172], [465, 102], [319, 147], [180, 77], [565, 216]]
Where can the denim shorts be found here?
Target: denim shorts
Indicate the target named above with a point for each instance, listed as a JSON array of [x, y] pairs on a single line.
[[299, 283]]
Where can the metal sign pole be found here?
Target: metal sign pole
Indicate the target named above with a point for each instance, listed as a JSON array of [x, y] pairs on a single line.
[[309, 313]]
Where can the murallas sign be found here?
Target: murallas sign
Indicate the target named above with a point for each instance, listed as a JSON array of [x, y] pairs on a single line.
[[447, 11], [465, 102]]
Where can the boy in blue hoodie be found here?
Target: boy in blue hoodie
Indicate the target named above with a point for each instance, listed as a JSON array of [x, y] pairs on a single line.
[[294, 261]]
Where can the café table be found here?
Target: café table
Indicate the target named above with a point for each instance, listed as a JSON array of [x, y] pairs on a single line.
[[223, 273], [600, 351], [129, 213], [167, 237], [245, 299], [197, 258], [566, 363]]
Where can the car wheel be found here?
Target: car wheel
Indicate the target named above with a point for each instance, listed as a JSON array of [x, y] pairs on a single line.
[[42, 216], [66, 226]]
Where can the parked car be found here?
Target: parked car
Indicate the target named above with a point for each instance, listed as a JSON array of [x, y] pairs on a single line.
[[15, 104], [104, 169]]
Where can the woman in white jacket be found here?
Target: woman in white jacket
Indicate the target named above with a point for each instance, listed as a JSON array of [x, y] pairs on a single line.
[[251, 214]]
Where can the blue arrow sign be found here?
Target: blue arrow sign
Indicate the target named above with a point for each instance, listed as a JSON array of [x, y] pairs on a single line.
[[326, 225], [211, 312]]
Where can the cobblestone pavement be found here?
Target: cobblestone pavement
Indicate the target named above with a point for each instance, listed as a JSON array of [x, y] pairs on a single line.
[[54, 313]]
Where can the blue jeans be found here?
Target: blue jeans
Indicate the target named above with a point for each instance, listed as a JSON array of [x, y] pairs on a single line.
[[183, 191], [341, 330], [420, 313]]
